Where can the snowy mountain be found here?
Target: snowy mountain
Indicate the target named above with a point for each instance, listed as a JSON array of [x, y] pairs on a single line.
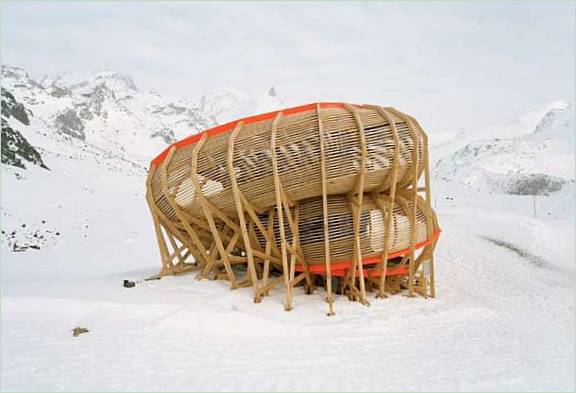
[[448, 142], [16, 150], [537, 163], [43, 209], [106, 109], [225, 105], [269, 101]]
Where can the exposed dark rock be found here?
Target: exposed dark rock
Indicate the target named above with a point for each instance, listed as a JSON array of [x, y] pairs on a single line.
[[95, 101], [530, 184], [166, 135], [84, 111], [118, 78], [16, 149], [170, 109], [69, 123], [58, 92], [13, 108]]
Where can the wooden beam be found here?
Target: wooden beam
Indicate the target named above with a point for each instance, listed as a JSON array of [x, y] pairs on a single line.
[[278, 191], [240, 210]]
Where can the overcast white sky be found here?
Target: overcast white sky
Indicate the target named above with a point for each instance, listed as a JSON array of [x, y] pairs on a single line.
[[451, 64]]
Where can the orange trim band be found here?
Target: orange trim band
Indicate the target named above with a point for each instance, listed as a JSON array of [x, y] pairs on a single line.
[[391, 271], [344, 265], [246, 120]]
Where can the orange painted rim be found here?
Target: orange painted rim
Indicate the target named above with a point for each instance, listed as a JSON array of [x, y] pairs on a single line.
[[247, 120], [391, 271]]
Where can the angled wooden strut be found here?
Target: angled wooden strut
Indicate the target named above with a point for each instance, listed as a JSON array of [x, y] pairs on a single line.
[[164, 229], [183, 219], [208, 211], [294, 248], [240, 211], [186, 241], [181, 253], [431, 227]]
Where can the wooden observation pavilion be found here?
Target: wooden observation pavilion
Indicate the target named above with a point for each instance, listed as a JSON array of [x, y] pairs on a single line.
[[327, 194]]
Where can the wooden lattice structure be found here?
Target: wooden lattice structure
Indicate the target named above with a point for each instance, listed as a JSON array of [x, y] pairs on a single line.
[[327, 193]]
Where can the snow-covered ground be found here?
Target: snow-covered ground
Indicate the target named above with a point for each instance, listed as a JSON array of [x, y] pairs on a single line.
[[503, 318], [501, 321]]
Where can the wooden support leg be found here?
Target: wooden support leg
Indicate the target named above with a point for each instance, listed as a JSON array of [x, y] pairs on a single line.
[[269, 241], [167, 267], [357, 206], [278, 191], [208, 211], [240, 211], [389, 214], [183, 219], [328, 265]]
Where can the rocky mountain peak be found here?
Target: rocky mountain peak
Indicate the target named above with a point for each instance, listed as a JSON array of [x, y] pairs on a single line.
[[269, 101], [223, 104], [119, 83], [16, 149], [105, 110], [530, 164], [12, 72], [559, 119], [12, 108], [115, 79], [15, 77]]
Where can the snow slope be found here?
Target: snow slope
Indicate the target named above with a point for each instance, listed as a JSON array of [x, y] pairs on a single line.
[[503, 318], [501, 321]]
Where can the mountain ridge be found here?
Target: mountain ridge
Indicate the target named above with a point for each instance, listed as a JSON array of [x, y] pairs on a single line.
[[534, 163], [107, 109]]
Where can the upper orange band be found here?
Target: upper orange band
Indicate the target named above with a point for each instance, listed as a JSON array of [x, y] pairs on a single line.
[[246, 120]]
